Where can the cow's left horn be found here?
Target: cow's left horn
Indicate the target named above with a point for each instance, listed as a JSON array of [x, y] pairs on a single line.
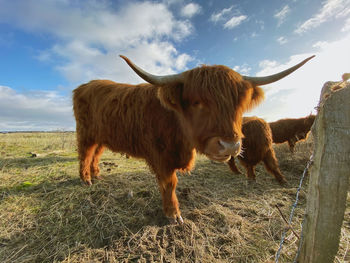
[[272, 78], [153, 79]]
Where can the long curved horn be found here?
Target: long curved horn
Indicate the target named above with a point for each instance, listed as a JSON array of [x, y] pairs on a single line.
[[153, 79], [272, 78]]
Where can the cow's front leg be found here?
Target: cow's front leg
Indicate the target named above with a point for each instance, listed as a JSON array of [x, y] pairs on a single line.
[[291, 143], [231, 163], [86, 153], [167, 185], [250, 171]]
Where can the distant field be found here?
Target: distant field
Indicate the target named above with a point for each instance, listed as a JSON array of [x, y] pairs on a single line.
[[47, 215]]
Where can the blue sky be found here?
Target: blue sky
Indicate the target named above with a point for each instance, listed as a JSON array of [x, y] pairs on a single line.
[[49, 47]]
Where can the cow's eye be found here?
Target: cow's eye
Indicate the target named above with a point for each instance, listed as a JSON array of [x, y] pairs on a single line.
[[197, 104]]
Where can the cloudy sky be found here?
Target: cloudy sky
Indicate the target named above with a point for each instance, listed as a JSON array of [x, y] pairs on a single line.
[[49, 47]]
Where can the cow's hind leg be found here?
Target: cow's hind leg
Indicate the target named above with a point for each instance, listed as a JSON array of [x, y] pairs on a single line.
[[86, 153], [95, 170], [167, 185], [271, 165]]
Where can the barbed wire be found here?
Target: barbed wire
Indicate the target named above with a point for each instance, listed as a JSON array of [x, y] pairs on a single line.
[[292, 214], [300, 242]]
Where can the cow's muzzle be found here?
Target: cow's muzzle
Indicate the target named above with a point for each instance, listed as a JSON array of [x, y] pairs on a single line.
[[221, 150], [230, 148]]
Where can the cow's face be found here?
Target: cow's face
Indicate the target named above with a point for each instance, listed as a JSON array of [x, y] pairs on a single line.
[[309, 121], [300, 136], [305, 128], [210, 105]]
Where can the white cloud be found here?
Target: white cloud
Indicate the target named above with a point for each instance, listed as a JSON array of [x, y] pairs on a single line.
[[298, 94], [90, 36], [215, 17], [282, 40], [244, 69], [40, 111], [254, 34], [182, 60], [93, 23], [229, 17], [331, 9], [346, 27], [266, 65], [235, 21], [282, 14], [173, 2], [320, 44], [190, 10]]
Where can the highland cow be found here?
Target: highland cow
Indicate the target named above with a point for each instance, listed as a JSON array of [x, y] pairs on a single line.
[[167, 121], [257, 147], [291, 130]]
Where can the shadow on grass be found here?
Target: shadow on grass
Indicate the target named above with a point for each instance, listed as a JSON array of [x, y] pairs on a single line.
[[25, 163]]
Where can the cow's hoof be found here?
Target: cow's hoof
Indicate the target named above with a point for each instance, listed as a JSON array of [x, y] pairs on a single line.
[[97, 177], [283, 182], [250, 182], [176, 220], [88, 182]]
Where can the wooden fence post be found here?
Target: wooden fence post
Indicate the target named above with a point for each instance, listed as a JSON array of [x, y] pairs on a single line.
[[329, 176]]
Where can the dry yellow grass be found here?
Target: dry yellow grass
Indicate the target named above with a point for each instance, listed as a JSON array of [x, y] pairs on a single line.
[[47, 215]]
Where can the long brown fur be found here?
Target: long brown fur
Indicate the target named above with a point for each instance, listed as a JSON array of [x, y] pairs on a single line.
[[163, 125], [257, 147], [291, 130]]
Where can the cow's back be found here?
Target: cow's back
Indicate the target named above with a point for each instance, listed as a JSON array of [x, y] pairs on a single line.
[[123, 117]]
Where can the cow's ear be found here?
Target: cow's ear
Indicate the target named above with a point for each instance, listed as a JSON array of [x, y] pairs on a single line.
[[170, 96], [251, 96], [257, 96]]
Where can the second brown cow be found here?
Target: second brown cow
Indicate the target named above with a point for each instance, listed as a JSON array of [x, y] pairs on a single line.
[[257, 147], [291, 130]]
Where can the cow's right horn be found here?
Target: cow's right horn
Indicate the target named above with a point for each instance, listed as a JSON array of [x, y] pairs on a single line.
[[153, 79]]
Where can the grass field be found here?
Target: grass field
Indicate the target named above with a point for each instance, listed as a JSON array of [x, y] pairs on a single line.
[[47, 215]]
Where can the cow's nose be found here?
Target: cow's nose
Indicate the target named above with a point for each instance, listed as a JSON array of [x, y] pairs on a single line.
[[230, 148]]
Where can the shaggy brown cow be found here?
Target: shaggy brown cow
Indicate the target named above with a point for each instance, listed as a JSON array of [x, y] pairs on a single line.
[[257, 147], [291, 130], [165, 122]]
